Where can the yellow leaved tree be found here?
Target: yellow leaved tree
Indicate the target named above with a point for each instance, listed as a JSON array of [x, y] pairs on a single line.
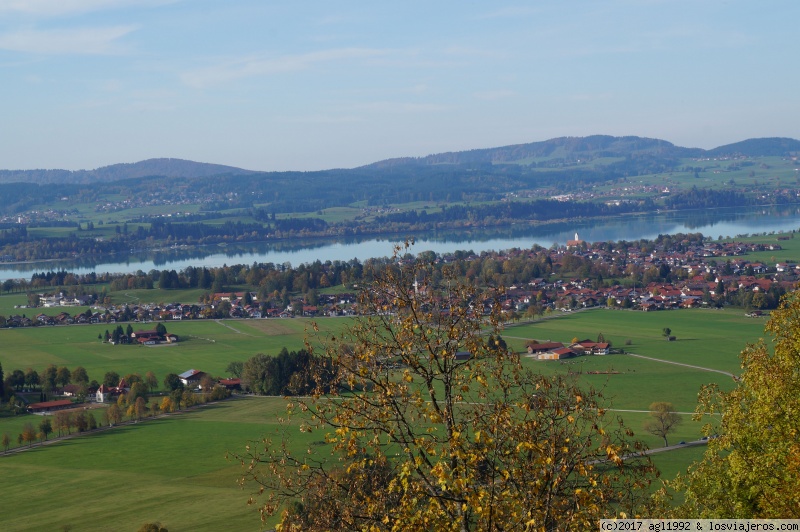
[[430, 428], [752, 469]]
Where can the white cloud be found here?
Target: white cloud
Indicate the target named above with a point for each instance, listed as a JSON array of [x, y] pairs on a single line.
[[259, 66], [66, 41]]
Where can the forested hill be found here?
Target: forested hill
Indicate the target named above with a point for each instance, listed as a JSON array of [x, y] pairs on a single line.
[[605, 154], [565, 150], [172, 168]]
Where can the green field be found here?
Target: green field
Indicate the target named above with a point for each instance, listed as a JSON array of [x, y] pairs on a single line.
[[706, 338], [174, 470], [207, 345]]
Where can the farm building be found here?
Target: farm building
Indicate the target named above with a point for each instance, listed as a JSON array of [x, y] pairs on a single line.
[[47, 406]]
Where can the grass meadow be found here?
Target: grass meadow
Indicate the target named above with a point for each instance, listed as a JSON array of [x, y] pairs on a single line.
[[207, 345], [174, 469]]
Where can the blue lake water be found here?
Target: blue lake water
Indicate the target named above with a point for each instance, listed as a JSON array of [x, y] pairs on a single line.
[[714, 223]]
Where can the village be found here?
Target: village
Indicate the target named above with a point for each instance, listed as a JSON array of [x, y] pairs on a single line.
[[689, 273]]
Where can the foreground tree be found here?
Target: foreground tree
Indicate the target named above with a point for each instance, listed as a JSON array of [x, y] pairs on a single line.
[[663, 420], [752, 469], [431, 428]]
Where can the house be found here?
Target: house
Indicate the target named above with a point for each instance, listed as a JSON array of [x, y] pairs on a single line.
[[191, 377], [108, 394], [544, 347], [592, 348], [557, 354], [150, 337], [230, 384], [70, 390]]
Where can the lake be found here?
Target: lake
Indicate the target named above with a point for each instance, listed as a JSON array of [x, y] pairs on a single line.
[[713, 223]]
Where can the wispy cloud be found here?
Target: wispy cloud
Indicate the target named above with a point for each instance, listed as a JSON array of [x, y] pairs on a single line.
[[260, 66], [402, 107], [95, 41], [52, 8], [500, 94]]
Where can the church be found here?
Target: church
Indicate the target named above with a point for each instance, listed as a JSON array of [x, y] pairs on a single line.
[[572, 244]]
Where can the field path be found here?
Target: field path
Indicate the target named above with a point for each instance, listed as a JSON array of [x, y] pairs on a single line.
[[237, 331], [682, 364]]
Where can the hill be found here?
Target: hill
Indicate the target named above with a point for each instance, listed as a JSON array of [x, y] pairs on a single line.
[[553, 153], [565, 149], [172, 168]]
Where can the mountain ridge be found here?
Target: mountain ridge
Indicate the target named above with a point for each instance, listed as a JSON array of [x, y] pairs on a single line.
[[555, 149]]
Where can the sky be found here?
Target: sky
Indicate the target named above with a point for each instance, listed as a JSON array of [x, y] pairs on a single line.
[[310, 84]]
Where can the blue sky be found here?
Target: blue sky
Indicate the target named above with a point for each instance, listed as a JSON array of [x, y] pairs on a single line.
[[309, 85]]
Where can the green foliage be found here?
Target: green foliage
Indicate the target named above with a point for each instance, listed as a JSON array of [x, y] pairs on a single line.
[[284, 374], [172, 382], [752, 469]]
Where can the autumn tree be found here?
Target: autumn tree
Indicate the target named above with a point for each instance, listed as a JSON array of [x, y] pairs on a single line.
[[140, 407], [167, 405], [151, 381], [752, 469], [6, 442], [138, 391], [114, 415], [207, 383], [663, 420], [62, 422], [28, 433], [423, 438]]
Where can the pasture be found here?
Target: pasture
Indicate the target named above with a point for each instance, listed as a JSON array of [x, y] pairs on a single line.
[[174, 469], [207, 345]]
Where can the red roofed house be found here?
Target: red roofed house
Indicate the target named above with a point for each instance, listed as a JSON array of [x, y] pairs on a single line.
[[557, 354], [50, 405], [231, 384], [544, 347]]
